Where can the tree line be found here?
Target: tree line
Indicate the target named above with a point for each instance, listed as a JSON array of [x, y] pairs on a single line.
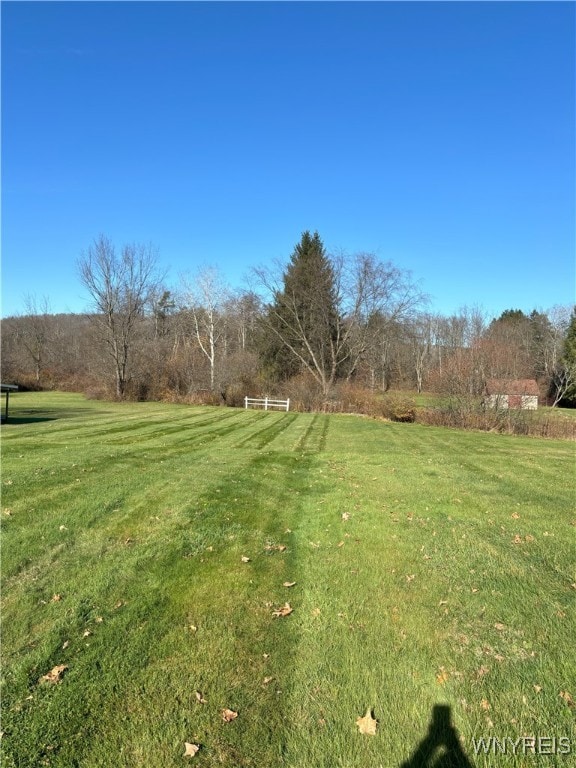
[[310, 326]]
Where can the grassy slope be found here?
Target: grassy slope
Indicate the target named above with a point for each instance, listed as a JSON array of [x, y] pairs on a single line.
[[450, 583]]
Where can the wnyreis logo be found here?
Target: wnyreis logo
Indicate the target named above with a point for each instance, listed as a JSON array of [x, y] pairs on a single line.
[[523, 745]]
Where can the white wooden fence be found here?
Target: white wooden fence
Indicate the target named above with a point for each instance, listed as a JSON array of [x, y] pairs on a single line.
[[266, 403]]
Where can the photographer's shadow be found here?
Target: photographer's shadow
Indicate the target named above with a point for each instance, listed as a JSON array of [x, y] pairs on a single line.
[[441, 747]]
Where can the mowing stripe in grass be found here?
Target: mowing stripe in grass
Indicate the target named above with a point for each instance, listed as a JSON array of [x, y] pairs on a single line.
[[274, 424]]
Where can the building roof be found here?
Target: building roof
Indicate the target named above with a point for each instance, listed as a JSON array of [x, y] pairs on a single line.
[[512, 387]]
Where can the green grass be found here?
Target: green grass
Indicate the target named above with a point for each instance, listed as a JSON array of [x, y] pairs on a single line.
[[451, 582]]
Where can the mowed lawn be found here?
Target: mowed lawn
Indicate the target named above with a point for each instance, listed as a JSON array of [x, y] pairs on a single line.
[[146, 548]]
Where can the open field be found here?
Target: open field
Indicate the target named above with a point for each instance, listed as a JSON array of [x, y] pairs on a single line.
[[431, 567]]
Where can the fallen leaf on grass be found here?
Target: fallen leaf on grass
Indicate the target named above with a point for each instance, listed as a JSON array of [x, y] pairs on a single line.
[[285, 610], [191, 749], [267, 680], [485, 704], [345, 516], [245, 559], [565, 696], [442, 676], [228, 715], [499, 626], [199, 698], [56, 598], [275, 547], [367, 724], [482, 671], [289, 584], [55, 674]]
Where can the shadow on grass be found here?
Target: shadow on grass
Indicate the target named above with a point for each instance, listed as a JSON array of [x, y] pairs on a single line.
[[35, 415], [441, 746]]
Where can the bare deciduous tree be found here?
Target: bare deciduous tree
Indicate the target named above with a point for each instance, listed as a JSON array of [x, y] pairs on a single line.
[[244, 310], [563, 380], [421, 334], [34, 332], [377, 299], [206, 299], [119, 285]]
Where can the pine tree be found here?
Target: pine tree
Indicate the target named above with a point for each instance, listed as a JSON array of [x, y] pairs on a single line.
[[302, 322], [569, 362]]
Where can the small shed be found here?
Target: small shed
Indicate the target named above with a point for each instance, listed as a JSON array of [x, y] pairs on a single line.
[[512, 393], [6, 389]]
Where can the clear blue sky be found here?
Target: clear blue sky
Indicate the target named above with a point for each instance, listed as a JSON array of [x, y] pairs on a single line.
[[437, 135]]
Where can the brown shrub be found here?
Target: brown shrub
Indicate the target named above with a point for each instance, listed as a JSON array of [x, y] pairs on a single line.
[[461, 414], [304, 392], [203, 397], [391, 405], [350, 398], [398, 407], [98, 392]]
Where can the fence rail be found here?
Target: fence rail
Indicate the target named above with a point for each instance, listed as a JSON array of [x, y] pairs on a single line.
[[266, 403]]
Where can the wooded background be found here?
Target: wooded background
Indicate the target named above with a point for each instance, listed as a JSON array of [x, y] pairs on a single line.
[[307, 329]]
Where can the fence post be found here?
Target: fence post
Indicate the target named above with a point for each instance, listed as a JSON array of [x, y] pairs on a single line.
[[246, 402], [287, 404], [265, 403]]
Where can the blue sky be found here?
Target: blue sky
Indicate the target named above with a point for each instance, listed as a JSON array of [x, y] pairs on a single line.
[[438, 135]]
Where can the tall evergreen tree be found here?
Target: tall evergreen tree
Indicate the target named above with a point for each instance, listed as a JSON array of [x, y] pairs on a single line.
[[541, 344], [568, 366], [302, 323]]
